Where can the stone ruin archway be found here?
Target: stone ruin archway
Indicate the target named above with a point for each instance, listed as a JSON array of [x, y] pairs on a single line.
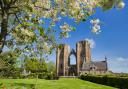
[[72, 68]]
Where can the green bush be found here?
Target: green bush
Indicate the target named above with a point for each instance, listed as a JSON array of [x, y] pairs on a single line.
[[114, 81], [42, 75], [10, 73], [49, 76], [31, 76]]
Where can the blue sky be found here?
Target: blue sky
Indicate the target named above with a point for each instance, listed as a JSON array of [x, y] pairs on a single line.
[[112, 42]]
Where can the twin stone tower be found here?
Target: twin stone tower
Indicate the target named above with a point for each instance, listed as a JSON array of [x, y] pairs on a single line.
[[63, 53]]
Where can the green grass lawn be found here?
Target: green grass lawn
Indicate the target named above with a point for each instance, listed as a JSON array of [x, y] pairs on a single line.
[[62, 83]]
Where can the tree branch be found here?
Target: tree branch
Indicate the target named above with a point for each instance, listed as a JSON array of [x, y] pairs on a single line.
[[17, 19], [1, 4]]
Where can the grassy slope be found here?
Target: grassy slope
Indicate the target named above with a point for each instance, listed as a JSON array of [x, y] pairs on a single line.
[[63, 83]]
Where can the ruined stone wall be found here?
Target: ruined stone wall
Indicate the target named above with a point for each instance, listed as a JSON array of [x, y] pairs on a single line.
[[78, 51], [66, 56], [87, 52], [63, 51], [83, 53], [62, 54]]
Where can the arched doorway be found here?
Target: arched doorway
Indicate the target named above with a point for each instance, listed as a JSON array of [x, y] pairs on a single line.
[[72, 66]]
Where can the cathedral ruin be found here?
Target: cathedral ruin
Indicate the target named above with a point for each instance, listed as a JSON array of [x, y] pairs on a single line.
[[83, 60]]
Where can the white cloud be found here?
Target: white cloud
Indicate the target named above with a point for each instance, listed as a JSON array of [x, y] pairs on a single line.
[[119, 64], [92, 42], [120, 59]]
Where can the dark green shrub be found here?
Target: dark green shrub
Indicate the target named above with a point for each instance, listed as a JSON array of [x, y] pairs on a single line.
[[32, 75], [49, 76], [42, 75], [114, 81]]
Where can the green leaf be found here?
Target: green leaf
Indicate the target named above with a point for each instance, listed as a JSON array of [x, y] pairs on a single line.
[[84, 20], [73, 29], [41, 30], [108, 4]]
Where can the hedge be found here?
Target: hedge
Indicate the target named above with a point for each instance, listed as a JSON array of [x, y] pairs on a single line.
[[118, 82]]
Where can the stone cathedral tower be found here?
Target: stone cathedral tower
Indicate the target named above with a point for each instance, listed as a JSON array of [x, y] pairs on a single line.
[[83, 54], [62, 54]]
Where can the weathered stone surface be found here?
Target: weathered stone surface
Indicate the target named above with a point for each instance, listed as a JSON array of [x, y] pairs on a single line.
[[62, 54]]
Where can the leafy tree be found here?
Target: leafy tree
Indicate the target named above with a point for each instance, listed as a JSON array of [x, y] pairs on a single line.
[[35, 66], [51, 67], [51, 70], [10, 60], [23, 21]]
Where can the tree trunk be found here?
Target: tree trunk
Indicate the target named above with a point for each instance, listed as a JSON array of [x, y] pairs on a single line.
[[4, 27]]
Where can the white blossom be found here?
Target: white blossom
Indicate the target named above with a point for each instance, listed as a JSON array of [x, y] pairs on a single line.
[[95, 30], [121, 5], [95, 21], [30, 15], [65, 27], [97, 27]]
